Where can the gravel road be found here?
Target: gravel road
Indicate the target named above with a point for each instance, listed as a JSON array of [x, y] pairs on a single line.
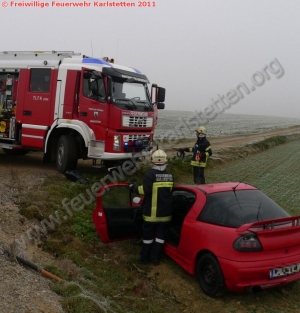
[[22, 290]]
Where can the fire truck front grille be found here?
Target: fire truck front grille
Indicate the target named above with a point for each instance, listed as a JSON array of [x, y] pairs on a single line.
[[136, 143], [137, 137], [137, 121]]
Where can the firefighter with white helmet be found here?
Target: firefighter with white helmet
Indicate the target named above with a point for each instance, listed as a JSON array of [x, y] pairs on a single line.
[[157, 213], [201, 131], [201, 151], [159, 157]]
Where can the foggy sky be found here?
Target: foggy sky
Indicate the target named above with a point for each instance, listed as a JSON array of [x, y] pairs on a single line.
[[199, 50]]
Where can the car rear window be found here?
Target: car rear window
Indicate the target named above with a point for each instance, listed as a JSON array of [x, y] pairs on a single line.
[[235, 208]]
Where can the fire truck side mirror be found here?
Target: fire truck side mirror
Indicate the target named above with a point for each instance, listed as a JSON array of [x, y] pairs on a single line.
[[161, 93], [160, 106]]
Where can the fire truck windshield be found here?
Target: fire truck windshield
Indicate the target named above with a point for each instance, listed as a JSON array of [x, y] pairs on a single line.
[[130, 95]]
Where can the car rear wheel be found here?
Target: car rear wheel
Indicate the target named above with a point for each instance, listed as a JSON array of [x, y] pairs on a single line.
[[209, 275], [66, 157]]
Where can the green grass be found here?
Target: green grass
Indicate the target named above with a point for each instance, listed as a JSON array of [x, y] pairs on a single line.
[[107, 278]]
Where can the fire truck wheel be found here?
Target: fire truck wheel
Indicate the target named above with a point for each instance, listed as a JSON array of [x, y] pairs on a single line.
[[66, 157], [15, 152]]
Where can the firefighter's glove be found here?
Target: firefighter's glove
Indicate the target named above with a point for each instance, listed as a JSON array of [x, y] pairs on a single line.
[[184, 150]]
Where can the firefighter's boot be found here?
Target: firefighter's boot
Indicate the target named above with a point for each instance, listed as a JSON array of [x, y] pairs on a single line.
[[156, 252], [145, 253]]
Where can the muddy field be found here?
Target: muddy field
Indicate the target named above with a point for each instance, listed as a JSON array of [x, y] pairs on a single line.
[[24, 291]]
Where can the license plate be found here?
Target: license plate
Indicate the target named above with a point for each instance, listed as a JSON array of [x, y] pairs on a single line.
[[283, 271]]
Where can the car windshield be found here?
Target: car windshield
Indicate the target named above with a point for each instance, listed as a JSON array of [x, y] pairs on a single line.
[[235, 208], [130, 95]]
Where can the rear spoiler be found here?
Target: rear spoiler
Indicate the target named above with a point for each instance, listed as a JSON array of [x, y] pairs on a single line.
[[270, 225]]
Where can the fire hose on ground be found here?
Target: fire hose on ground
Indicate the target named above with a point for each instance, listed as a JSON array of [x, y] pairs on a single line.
[[38, 269]]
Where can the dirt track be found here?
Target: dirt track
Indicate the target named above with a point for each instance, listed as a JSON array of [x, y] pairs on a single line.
[[229, 141]]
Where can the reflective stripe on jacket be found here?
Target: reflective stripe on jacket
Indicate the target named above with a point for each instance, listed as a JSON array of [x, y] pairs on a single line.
[[201, 152], [157, 188]]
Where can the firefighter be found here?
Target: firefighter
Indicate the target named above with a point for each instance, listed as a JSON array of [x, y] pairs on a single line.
[[157, 188], [201, 152]]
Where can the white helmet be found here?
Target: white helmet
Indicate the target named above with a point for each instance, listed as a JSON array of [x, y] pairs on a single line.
[[201, 130], [159, 157]]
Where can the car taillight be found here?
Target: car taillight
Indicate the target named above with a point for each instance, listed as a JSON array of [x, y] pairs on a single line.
[[247, 243]]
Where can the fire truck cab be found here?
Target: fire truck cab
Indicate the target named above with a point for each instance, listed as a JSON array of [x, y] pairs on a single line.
[[75, 107]]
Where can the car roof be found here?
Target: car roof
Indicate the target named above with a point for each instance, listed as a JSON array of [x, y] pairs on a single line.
[[218, 187]]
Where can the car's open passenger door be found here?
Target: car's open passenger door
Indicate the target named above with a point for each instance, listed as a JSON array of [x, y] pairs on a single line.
[[117, 216]]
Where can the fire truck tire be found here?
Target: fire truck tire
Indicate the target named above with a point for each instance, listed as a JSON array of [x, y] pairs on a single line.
[[15, 152], [66, 156]]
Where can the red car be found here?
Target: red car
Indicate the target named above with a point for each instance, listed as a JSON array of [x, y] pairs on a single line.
[[227, 234]]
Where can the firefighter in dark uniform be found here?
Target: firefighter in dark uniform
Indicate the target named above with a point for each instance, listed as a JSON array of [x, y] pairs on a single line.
[[201, 152], [157, 212]]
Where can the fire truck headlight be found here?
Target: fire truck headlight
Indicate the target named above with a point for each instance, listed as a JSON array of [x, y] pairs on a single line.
[[116, 142]]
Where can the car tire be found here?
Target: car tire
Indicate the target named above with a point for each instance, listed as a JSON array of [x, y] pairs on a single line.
[[66, 154], [209, 275]]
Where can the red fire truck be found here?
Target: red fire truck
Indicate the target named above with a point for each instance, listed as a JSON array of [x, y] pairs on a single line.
[[75, 107]]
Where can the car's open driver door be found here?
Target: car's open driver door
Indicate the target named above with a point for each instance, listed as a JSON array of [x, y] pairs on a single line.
[[117, 216]]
